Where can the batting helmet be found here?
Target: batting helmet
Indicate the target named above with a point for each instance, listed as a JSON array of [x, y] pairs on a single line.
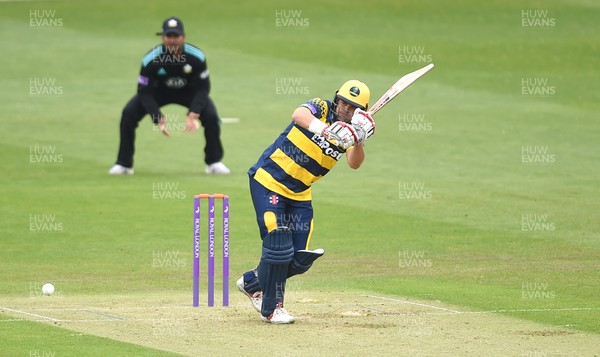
[[355, 93]]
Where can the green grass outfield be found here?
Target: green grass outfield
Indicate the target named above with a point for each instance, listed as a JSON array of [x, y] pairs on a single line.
[[478, 199]]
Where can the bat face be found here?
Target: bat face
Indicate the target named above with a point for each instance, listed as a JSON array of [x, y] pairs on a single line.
[[398, 87]]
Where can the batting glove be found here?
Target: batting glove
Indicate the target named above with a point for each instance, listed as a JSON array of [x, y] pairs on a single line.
[[364, 125], [345, 135]]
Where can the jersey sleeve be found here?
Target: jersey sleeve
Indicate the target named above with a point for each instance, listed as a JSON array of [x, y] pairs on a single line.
[[147, 81], [201, 88], [317, 107], [200, 82]]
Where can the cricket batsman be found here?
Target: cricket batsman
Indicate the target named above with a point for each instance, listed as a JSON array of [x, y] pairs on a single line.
[[320, 133]]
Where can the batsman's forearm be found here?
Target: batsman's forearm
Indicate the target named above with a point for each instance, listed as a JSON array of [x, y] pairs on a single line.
[[355, 156]]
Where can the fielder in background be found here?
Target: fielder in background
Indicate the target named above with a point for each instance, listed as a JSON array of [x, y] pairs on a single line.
[[280, 185], [174, 72]]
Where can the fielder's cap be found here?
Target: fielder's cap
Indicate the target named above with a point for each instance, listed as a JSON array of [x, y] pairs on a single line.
[[172, 25]]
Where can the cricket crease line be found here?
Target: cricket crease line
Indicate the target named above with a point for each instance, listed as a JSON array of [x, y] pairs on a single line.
[[415, 303], [534, 310], [101, 314], [45, 320], [230, 120], [164, 320], [30, 314], [131, 308], [119, 309], [499, 311]]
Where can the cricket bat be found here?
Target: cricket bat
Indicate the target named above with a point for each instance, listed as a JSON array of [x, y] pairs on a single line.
[[398, 87]]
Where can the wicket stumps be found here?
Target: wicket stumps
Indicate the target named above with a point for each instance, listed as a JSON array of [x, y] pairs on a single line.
[[210, 199]]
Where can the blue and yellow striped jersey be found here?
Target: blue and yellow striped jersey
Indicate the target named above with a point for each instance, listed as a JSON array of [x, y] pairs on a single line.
[[298, 158]]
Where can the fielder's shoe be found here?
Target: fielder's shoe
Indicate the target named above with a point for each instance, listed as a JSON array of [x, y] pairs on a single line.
[[120, 170], [255, 298], [279, 316], [217, 168]]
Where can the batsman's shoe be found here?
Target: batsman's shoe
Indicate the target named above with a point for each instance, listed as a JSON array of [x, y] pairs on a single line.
[[255, 298], [279, 316], [120, 170], [217, 168]]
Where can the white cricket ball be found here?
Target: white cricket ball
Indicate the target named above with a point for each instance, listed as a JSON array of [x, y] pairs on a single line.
[[48, 289]]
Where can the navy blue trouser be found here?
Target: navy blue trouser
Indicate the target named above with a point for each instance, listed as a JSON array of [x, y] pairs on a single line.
[[134, 111], [273, 210]]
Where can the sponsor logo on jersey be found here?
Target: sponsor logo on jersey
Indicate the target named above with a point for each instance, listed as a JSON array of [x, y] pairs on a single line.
[[175, 82], [273, 199], [326, 147]]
